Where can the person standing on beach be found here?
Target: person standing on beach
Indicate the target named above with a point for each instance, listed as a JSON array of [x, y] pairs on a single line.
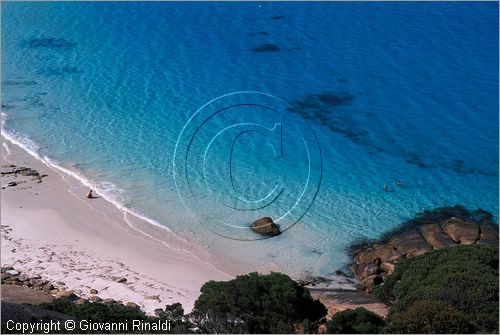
[[89, 195]]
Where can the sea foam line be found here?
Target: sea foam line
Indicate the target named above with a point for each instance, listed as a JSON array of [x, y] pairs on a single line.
[[33, 149], [104, 192], [30, 147]]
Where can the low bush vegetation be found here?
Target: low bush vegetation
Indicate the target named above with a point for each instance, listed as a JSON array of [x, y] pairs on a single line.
[[250, 303], [463, 278], [355, 321], [452, 290], [430, 317]]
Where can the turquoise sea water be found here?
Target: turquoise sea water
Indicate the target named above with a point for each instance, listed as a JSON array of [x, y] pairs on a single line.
[[389, 91]]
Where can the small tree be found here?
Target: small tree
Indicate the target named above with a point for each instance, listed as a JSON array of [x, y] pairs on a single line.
[[175, 315], [355, 321], [255, 303]]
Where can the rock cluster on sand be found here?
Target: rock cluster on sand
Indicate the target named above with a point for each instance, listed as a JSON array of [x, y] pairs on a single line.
[[438, 229], [265, 226], [14, 170], [13, 280]]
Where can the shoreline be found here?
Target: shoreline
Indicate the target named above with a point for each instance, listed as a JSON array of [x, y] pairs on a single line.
[[88, 243], [79, 184], [91, 245], [63, 251]]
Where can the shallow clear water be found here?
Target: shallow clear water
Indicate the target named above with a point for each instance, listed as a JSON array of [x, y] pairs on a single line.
[[390, 91]]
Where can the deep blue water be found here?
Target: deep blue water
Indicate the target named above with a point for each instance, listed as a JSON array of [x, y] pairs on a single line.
[[390, 91]]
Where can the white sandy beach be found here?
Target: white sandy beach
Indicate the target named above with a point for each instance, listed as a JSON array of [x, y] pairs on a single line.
[[51, 229]]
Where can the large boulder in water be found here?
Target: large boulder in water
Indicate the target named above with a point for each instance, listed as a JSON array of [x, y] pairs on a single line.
[[265, 226], [461, 231], [410, 244], [435, 236], [377, 251], [488, 235]]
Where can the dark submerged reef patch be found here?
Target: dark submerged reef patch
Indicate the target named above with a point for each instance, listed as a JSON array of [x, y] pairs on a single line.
[[327, 109], [459, 166], [60, 71], [416, 159], [261, 33], [50, 43], [7, 107], [322, 108], [28, 101], [268, 47], [19, 82], [333, 99]]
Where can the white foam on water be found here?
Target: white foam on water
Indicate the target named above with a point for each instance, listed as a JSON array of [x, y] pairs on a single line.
[[106, 189], [21, 141]]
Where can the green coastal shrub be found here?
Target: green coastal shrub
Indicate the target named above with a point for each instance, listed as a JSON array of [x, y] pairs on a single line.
[[431, 317], [256, 303], [251, 303], [463, 277], [355, 321], [116, 313]]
